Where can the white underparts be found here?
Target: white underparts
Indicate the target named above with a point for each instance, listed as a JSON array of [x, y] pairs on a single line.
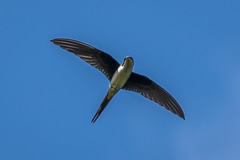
[[120, 77]]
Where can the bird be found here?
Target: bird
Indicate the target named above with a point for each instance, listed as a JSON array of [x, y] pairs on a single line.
[[120, 76]]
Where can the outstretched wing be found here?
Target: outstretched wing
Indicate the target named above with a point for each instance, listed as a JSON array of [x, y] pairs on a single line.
[[151, 90], [95, 57]]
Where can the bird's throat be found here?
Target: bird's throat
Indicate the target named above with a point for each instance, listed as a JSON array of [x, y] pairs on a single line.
[[120, 77]]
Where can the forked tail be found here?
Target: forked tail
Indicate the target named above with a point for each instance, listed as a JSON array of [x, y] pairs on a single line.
[[101, 108]]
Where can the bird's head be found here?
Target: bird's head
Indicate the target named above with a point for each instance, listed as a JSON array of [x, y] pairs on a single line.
[[128, 60]]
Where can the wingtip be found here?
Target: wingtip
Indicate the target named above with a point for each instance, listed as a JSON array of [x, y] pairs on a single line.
[[56, 39], [183, 117], [180, 113], [53, 40]]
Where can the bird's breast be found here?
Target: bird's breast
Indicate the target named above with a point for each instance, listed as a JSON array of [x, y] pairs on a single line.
[[121, 76]]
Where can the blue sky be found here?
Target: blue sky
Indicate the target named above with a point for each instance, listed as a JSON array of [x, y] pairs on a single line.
[[49, 96]]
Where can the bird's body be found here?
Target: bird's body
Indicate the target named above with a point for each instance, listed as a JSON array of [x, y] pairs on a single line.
[[118, 80], [120, 76]]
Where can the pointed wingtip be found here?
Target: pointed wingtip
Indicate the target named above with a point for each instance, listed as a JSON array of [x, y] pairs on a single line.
[[180, 113], [54, 40], [183, 117]]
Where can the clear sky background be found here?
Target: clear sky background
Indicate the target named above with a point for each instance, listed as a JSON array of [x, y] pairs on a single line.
[[49, 96]]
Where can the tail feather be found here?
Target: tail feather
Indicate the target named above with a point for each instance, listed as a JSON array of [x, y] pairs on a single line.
[[101, 108]]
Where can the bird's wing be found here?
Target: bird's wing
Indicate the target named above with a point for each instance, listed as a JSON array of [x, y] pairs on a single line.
[[95, 57], [151, 90]]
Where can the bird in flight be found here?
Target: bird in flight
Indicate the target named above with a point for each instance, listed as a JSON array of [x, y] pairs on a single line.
[[120, 76]]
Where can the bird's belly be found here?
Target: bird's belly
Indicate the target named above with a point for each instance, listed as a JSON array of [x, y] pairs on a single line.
[[120, 77]]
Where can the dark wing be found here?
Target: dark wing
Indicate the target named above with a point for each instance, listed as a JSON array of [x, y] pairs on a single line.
[[149, 89], [98, 59]]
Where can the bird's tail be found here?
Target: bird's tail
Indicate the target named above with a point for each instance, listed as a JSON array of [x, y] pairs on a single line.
[[104, 103]]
